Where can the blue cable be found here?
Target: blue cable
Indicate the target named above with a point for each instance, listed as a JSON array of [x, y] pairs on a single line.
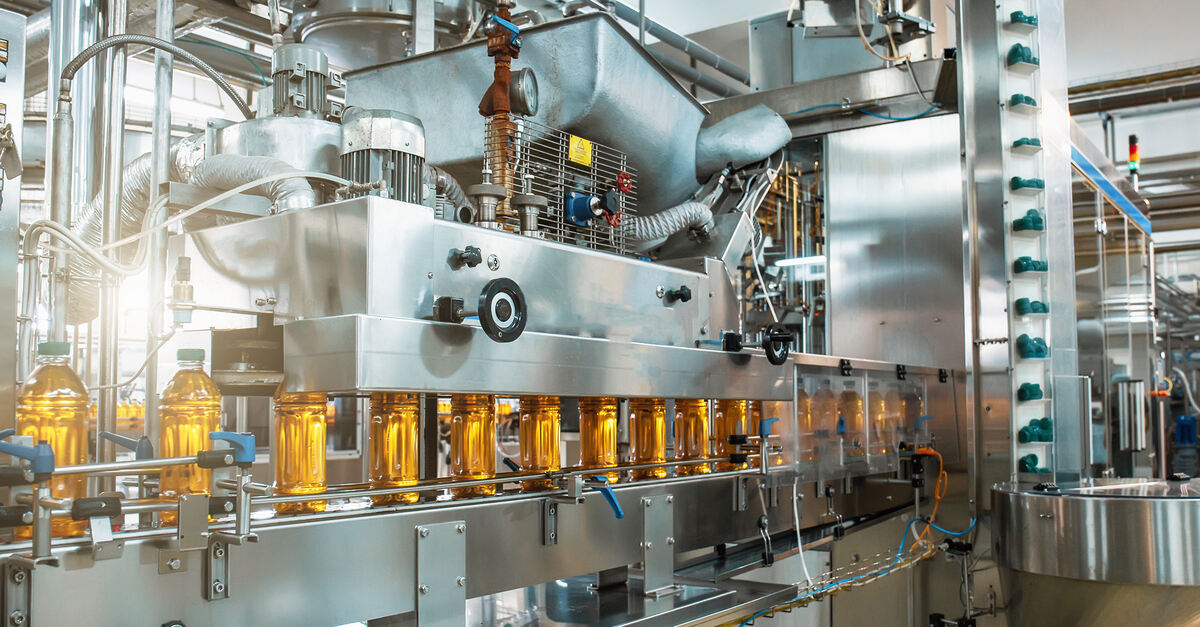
[[899, 119], [899, 555]]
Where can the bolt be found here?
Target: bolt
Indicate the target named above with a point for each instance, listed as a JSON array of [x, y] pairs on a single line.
[[670, 499], [493, 262], [18, 576], [16, 618], [227, 460], [218, 551], [553, 536], [670, 540], [424, 532], [429, 275], [424, 589], [174, 563], [660, 291], [462, 582], [460, 528], [647, 545], [646, 501], [218, 587]]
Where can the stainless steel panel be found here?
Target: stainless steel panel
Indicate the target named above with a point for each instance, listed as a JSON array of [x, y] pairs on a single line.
[[345, 354], [1102, 534], [1046, 600], [382, 257], [304, 143], [895, 286], [12, 94], [595, 82]]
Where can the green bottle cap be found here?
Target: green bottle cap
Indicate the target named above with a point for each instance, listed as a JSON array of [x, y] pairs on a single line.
[[54, 348], [190, 354]]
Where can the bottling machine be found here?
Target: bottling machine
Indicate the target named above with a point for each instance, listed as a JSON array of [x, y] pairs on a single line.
[[487, 212]]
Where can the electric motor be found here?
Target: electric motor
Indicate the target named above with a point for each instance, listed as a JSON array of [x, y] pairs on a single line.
[[302, 80], [383, 153]]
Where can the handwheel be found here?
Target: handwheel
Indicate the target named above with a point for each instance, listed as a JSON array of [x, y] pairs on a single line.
[[776, 344], [502, 310]]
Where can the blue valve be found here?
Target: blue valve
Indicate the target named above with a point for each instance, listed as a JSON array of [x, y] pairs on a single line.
[[513, 466], [602, 487], [40, 456], [510, 27], [764, 426], [242, 443], [920, 419], [142, 447]]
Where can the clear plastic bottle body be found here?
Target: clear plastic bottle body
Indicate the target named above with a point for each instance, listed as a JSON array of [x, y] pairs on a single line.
[[825, 418], [730, 418], [808, 425], [300, 438], [691, 435], [395, 444], [539, 435], [914, 406], [52, 407], [648, 436], [893, 402], [852, 410], [189, 410], [598, 435], [877, 412], [473, 442]]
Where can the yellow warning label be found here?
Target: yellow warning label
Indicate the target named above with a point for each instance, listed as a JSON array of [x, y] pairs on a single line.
[[580, 151]]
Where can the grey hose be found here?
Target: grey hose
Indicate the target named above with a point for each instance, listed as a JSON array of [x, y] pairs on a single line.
[[448, 186], [73, 66], [224, 172], [644, 232]]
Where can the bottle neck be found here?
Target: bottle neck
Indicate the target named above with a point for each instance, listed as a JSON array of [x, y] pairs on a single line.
[[191, 365], [56, 360]]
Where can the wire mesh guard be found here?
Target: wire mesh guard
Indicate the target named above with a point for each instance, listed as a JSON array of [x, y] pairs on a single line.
[[530, 158]]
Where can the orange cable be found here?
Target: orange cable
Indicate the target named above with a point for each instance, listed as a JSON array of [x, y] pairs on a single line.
[[939, 490]]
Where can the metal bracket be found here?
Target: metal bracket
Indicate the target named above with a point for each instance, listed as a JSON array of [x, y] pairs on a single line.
[[658, 545], [216, 571], [845, 367], [901, 372], [441, 575], [943, 376], [17, 582], [104, 547], [741, 493], [193, 522], [170, 561], [549, 522]]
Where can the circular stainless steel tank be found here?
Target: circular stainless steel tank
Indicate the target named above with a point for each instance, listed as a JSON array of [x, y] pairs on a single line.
[[1106, 553], [360, 33]]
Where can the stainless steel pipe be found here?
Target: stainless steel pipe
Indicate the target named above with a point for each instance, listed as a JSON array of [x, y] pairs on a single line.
[[160, 176], [679, 42]]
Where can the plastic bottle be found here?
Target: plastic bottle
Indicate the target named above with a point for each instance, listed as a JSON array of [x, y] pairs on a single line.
[[540, 419], [52, 407], [473, 442], [300, 434], [648, 436], [598, 434], [877, 412], [189, 409], [730, 419], [914, 406], [395, 444], [852, 411], [691, 435], [808, 425]]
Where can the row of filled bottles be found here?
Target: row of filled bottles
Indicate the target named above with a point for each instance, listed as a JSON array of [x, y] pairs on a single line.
[[846, 416]]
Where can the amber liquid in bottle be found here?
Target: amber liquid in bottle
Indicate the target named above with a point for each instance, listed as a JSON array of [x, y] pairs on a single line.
[[598, 435], [300, 431], [473, 442], [648, 436], [189, 410], [808, 424], [730, 419], [691, 435], [877, 419], [851, 408], [53, 407], [394, 444], [540, 419]]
